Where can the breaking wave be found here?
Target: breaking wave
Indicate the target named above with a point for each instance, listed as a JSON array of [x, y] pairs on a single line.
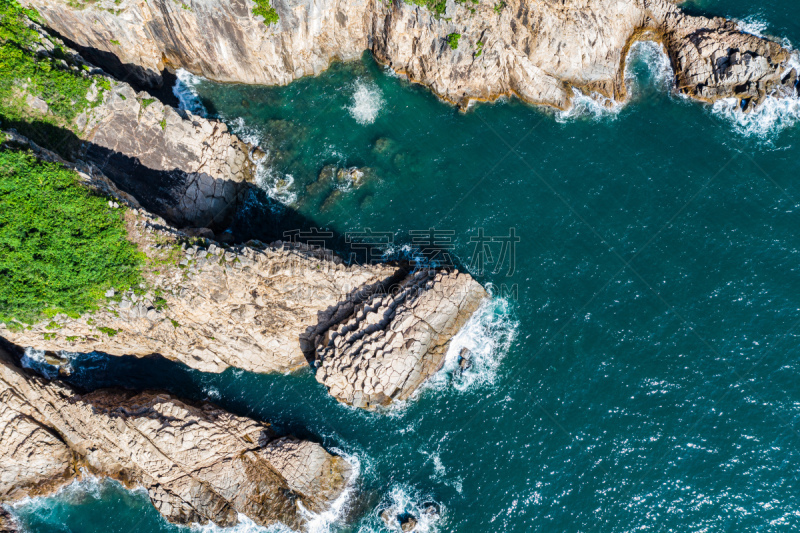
[[593, 106], [367, 102], [37, 361], [186, 93], [401, 503], [487, 336], [772, 116], [654, 59]]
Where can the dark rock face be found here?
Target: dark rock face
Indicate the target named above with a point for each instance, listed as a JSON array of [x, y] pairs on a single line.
[[7, 522]]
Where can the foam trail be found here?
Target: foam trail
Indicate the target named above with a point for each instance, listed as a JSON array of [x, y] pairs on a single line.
[[488, 335], [186, 93], [367, 102]]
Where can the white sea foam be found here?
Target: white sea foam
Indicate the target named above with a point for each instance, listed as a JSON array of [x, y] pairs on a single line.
[[488, 335], [186, 92], [35, 360], [367, 102], [245, 525], [401, 501], [653, 55], [593, 106], [278, 185], [753, 26]]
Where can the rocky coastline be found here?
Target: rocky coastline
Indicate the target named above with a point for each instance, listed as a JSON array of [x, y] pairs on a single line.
[[198, 463], [211, 305], [543, 52]]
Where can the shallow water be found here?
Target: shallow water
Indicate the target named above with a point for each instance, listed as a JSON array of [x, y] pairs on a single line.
[[638, 367]]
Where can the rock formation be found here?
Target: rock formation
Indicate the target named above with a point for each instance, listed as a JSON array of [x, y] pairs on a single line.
[[7, 522], [542, 51], [186, 168], [198, 463], [264, 308], [390, 344]]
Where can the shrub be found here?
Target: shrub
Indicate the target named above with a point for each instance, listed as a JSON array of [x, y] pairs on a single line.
[[64, 89], [61, 247], [452, 40], [264, 9], [437, 7]]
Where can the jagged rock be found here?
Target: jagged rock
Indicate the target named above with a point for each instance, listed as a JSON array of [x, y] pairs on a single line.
[[197, 463], [541, 51], [387, 346], [7, 522], [268, 309], [186, 168], [408, 523]]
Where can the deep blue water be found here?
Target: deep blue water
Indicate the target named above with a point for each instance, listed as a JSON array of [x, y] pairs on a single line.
[[638, 369]]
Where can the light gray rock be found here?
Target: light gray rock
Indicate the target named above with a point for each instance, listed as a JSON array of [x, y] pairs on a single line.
[[538, 50], [197, 463]]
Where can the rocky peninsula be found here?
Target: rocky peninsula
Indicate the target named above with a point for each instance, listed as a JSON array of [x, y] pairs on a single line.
[[542, 51], [198, 463]]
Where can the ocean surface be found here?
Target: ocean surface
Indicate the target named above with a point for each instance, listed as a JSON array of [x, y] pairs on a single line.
[[637, 368]]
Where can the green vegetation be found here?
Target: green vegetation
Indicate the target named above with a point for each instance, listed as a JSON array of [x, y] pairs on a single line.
[[453, 39], [174, 323], [61, 247], [163, 124], [437, 7], [54, 79], [115, 42], [499, 7], [264, 9], [108, 331], [479, 47]]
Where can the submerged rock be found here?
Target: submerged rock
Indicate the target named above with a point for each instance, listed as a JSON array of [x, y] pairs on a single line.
[[197, 463], [7, 522], [541, 51]]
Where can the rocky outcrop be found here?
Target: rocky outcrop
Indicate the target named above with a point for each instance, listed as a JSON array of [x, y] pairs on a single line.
[[188, 169], [7, 522], [265, 308], [390, 344], [198, 463], [542, 51]]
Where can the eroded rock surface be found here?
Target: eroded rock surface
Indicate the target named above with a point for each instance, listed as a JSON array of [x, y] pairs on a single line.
[[541, 50], [390, 344], [188, 169], [267, 308], [198, 463], [7, 522]]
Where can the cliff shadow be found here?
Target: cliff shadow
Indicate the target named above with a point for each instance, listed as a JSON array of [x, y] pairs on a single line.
[[157, 84]]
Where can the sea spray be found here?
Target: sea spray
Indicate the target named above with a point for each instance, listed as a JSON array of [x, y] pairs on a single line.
[[403, 502], [367, 102], [36, 360], [186, 92], [487, 336]]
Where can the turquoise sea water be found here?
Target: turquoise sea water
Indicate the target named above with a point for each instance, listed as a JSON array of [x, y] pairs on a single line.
[[643, 376]]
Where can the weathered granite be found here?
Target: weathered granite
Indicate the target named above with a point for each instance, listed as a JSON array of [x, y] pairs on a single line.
[[7, 522], [264, 308], [542, 50], [387, 346], [198, 463], [188, 169]]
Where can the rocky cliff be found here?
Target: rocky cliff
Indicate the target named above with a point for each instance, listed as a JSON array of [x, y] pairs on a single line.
[[261, 308], [188, 169], [198, 463], [540, 50]]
